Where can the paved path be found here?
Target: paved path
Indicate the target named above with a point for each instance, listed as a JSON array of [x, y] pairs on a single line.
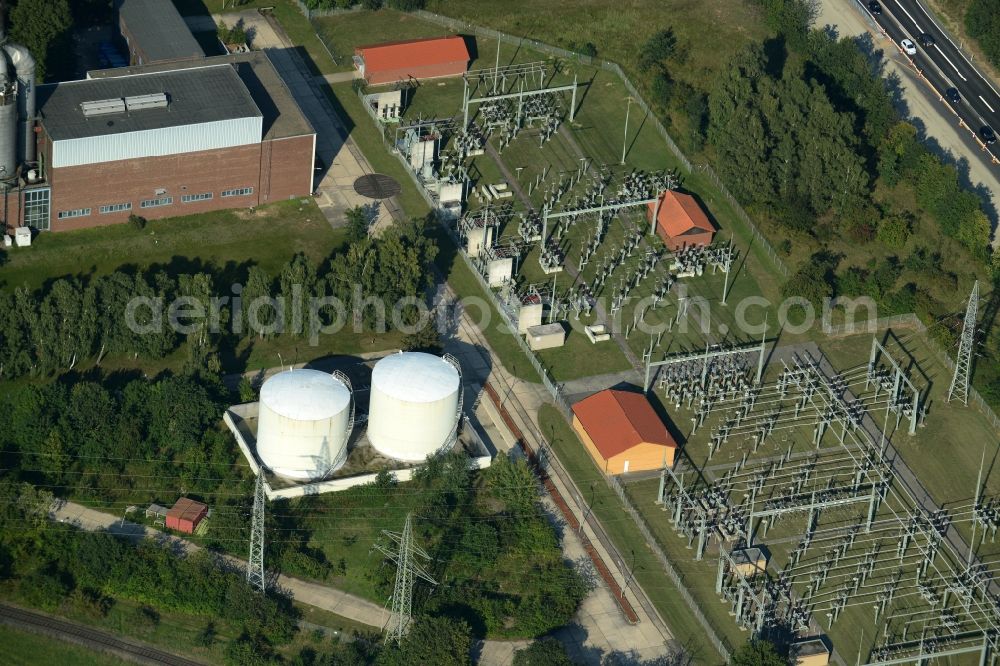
[[599, 628], [340, 155], [340, 77], [320, 596]]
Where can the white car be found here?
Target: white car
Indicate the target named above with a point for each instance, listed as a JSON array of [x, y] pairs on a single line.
[[908, 47]]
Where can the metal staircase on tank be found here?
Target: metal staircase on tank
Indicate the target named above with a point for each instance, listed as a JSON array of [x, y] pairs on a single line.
[[461, 395], [337, 374]]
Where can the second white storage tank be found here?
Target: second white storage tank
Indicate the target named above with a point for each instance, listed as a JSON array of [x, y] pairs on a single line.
[[414, 403]]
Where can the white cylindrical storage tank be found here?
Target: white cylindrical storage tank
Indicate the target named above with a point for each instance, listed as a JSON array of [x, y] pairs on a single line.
[[414, 400], [302, 424]]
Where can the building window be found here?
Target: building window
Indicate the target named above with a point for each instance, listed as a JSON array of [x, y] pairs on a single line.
[[191, 198], [115, 208], [76, 212], [153, 203], [36, 209], [238, 192]]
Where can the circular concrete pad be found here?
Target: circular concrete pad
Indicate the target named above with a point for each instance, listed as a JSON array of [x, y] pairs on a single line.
[[376, 186]]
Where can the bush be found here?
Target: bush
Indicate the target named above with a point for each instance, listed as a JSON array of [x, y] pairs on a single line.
[[44, 589], [894, 231], [657, 49], [544, 652], [406, 5], [137, 221]]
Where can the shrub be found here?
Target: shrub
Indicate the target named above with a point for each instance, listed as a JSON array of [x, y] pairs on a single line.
[[894, 230]]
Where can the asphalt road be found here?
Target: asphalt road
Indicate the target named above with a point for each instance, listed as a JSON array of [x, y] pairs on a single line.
[[942, 63]]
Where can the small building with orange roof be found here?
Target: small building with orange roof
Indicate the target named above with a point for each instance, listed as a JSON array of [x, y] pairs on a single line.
[[681, 222], [623, 433], [393, 62]]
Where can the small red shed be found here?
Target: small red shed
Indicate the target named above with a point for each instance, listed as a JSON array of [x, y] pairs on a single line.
[[681, 222], [392, 62], [185, 515]]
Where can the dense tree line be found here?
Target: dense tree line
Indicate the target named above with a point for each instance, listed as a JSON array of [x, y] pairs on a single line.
[[139, 440], [71, 321], [483, 540], [802, 140], [401, 5], [480, 529], [982, 21], [54, 565]]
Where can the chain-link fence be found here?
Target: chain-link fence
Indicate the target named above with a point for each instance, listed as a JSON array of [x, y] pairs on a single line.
[[668, 568]]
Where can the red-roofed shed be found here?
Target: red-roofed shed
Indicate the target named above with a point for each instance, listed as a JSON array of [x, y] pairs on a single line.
[[185, 515], [414, 58], [681, 222], [622, 433]]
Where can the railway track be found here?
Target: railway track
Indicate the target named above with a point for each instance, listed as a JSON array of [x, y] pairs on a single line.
[[89, 637]]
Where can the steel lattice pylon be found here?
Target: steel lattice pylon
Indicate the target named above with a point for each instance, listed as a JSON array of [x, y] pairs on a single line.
[[255, 563], [963, 364], [406, 571]]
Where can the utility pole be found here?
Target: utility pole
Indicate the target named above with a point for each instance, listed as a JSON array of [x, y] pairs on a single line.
[[255, 563], [625, 141], [963, 363], [406, 570]]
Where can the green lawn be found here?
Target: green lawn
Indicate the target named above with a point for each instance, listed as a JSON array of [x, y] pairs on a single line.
[[227, 242], [616, 29], [626, 536], [24, 648]]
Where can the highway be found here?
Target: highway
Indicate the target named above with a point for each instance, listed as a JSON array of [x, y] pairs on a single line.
[[943, 65]]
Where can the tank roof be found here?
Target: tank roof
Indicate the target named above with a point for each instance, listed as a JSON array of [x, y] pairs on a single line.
[[415, 377], [306, 395]]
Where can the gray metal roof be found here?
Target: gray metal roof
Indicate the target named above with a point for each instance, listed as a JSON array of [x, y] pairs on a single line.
[[282, 115], [159, 30], [198, 95]]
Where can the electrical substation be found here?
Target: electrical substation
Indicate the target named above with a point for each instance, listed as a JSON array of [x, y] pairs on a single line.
[[788, 482], [787, 478]]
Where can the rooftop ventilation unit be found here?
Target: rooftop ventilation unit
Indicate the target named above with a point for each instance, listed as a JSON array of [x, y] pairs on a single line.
[[103, 107], [152, 101]]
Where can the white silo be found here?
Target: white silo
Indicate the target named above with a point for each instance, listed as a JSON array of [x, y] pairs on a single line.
[[415, 401], [303, 424]]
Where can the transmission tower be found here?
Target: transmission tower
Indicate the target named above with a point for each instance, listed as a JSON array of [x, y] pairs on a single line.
[[963, 364], [255, 564], [407, 569]]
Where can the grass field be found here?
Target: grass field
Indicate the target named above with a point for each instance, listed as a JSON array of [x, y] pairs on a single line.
[[616, 29], [226, 242], [24, 648]]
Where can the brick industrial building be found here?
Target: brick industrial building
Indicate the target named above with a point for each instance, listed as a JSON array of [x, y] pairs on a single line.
[[394, 62], [153, 31], [165, 140]]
